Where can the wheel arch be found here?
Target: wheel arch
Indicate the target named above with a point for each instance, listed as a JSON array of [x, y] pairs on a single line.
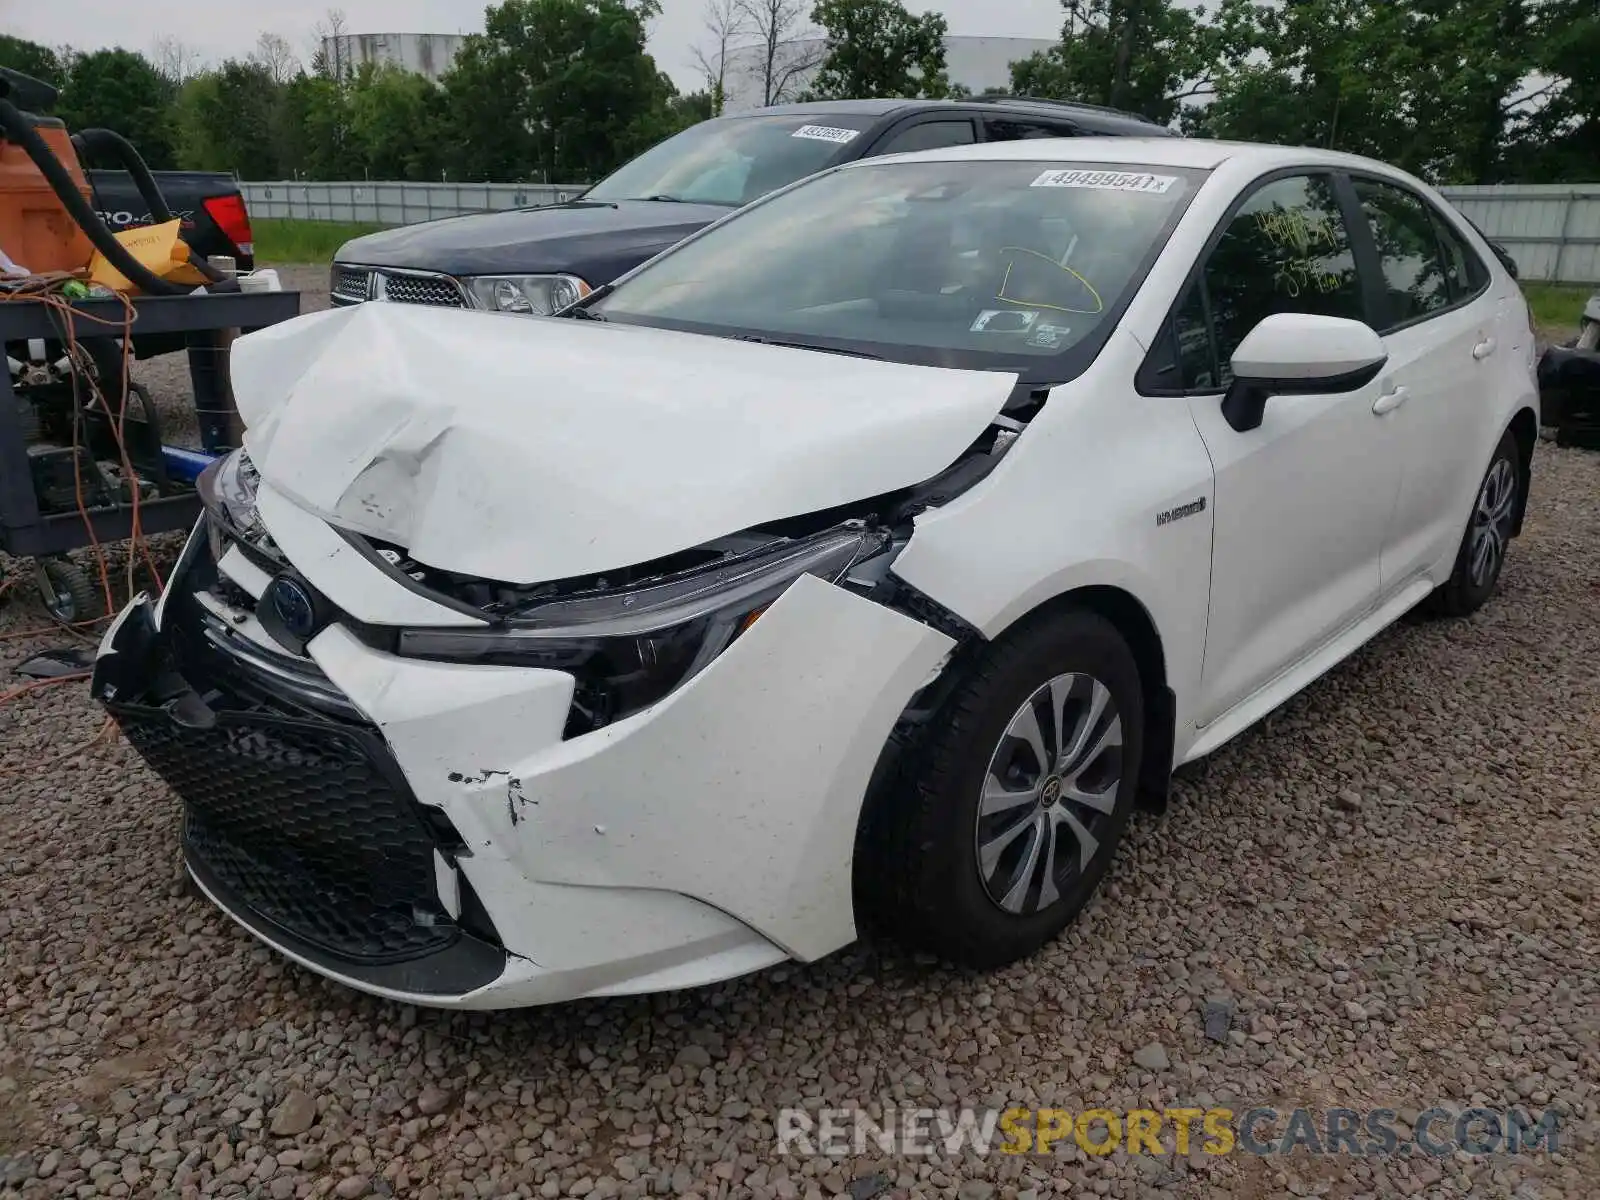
[[1525, 429], [1138, 628], [908, 743], [1132, 619]]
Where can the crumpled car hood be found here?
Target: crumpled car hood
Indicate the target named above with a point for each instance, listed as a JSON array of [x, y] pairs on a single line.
[[527, 450]]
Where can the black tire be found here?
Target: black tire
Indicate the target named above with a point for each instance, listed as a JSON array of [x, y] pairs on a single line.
[[917, 871], [68, 594], [1467, 589]]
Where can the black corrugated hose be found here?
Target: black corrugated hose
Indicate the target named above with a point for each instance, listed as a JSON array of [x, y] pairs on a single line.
[[20, 129]]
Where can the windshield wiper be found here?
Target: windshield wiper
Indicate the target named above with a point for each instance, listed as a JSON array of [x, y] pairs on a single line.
[[767, 341], [663, 198]]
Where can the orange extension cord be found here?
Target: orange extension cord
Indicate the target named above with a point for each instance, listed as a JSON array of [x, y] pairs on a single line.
[[47, 290]]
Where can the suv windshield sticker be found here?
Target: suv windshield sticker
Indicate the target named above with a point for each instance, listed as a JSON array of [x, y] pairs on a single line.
[[1114, 181], [826, 133]]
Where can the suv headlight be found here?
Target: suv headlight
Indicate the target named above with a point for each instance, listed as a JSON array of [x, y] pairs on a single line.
[[531, 295], [630, 648]]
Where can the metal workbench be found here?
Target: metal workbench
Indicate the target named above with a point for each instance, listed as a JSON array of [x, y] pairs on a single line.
[[200, 321]]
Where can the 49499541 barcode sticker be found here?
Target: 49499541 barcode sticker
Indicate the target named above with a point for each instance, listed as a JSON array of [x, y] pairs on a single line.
[[1109, 181]]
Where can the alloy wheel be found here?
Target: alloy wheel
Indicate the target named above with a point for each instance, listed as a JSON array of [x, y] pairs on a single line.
[[1049, 794], [1491, 522]]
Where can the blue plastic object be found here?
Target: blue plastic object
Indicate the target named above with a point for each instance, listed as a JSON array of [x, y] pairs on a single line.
[[185, 465]]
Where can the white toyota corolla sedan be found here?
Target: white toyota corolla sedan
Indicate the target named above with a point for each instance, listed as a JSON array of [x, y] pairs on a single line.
[[865, 559]]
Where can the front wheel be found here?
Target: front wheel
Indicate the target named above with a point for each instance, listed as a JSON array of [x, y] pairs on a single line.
[[1482, 556], [1008, 813]]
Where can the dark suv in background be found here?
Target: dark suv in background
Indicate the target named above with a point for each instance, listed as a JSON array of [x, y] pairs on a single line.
[[537, 260]]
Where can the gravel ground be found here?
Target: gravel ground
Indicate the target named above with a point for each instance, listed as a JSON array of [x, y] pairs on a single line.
[[1395, 885]]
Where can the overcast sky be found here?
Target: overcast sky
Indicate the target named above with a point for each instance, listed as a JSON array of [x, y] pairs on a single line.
[[219, 29]]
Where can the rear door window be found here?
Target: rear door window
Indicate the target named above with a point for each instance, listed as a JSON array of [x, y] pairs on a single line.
[[1464, 270], [1019, 129], [1415, 279], [928, 135]]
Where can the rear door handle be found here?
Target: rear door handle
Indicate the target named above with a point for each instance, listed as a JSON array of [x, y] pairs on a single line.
[[1483, 349], [1390, 401]]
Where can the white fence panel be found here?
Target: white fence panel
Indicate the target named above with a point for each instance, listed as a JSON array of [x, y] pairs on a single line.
[[395, 203], [1553, 231]]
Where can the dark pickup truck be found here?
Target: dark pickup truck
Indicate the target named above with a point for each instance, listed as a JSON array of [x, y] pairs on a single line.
[[215, 220]]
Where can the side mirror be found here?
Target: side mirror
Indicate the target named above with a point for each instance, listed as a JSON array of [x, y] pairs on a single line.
[[1299, 354]]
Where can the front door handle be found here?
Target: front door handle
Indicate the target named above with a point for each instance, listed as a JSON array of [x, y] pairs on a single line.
[[1390, 401], [1483, 349]]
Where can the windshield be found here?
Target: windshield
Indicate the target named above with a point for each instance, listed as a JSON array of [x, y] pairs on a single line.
[[733, 160], [966, 263]]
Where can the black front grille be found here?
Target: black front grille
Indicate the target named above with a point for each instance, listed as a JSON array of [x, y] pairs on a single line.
[[306, 824], [422, 289], [294, 806], [351, 283]]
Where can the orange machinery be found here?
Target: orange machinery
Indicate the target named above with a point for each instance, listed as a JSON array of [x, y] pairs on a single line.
[[36, 229]]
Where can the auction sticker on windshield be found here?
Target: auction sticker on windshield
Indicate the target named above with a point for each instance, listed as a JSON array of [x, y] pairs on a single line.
[[826, 133], [1113, 181]]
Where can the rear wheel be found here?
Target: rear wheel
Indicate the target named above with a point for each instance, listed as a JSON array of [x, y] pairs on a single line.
[[1482, 556], [1006, 816]]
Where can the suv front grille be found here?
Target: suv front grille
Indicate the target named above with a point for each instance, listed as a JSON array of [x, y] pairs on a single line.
[[422, 289], [355, 285], [351, 283]]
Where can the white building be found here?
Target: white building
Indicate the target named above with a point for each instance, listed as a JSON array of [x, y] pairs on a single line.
[[978, 63], [427, 54]]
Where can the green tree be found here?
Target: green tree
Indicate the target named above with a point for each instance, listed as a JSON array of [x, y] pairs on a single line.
[[694, 107], [32, 59], [121, 90], [396, 123], [1429, 85], [312, 132], [556, 89], [877, 48], [1144, 56], [1556, 133], [226, 120]]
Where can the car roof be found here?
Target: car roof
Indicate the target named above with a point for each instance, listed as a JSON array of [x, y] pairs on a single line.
[[1197, 153], [1089, 115], [850, 108]]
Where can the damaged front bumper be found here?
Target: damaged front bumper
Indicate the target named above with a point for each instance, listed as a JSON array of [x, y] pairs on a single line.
[[297, 822], [427, 832]]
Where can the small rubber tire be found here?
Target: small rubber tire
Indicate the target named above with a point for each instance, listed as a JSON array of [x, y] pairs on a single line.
[[69, 596], [1459, 596], [917, 879]]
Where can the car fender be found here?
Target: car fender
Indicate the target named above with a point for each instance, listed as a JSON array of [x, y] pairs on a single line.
[[1105, 488]]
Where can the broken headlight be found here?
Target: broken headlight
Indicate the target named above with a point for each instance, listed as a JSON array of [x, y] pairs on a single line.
[[228, 491], [629, 648]]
